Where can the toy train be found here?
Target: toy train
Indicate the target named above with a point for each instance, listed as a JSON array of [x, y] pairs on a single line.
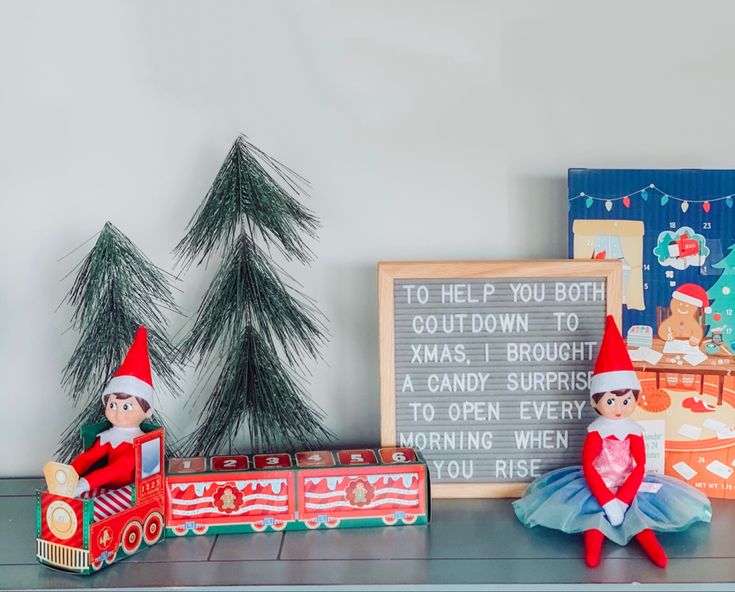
[[227, 494]]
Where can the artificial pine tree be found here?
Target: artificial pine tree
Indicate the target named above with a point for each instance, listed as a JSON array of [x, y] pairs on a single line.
[[251, 312], [722, 298], [116, 290]]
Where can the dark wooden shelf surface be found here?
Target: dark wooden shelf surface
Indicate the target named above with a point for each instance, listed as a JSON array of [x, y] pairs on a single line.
[[469, 545]]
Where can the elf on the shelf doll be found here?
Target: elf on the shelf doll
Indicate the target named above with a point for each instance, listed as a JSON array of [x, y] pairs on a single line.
[[610, 495], [128, 400]]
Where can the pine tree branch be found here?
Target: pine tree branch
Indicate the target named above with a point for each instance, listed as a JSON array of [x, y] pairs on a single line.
[[141, 285], [245, 291], [255, 388], [243, 187]]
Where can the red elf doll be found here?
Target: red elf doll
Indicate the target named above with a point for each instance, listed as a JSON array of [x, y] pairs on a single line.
[[128, 400], [610, 495]]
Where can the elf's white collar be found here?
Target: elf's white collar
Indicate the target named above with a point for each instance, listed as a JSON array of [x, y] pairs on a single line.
[[620, 428], [116, 436]]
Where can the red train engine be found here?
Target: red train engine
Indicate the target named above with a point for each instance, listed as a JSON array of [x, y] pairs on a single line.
[[83, 534]]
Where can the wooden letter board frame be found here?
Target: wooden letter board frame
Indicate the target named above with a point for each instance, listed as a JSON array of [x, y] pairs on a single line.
[[390, 271]]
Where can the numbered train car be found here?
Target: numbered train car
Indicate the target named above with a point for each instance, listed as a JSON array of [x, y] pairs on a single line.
[[83, 534], [309, 490]]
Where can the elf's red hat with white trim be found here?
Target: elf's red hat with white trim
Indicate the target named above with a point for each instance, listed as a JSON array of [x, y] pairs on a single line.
[[133, 377], [613, 368], [692, 294]]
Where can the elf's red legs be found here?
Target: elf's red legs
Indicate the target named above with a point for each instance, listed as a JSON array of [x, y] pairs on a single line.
[[593, 547], [593, 540], [652, 547]]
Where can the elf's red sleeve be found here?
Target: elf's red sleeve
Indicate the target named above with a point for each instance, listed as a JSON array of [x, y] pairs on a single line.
[[89, 457], [119, 472], [590, 451], [628, 490]]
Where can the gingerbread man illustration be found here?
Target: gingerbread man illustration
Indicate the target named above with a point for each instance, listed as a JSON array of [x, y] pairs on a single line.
[[688, 302]]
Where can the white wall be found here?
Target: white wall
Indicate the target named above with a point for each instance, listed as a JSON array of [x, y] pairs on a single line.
[[428, 130]]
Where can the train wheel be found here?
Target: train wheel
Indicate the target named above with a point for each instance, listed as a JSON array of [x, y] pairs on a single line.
[[409, 519], [279, 525], [179, 530], [152, 528], [390, 520], [258, 526], [200, 529], [111, 557], [312, 524], [333, 523], [131, 537], [96, 565]]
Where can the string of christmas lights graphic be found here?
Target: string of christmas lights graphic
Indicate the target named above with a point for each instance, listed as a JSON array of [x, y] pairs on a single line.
[[645, 194]]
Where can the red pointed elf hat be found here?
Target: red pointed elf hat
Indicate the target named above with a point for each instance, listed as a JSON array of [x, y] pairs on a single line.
[[613, 368], [133, 377]]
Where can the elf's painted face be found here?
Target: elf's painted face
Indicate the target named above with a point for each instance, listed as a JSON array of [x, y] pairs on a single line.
[[615, 406], [125, 413]]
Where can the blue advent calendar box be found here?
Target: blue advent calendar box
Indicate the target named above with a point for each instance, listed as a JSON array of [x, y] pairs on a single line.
[[674, 233]]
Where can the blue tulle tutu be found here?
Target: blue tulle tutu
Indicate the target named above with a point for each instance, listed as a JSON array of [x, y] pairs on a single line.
[[562, 500]]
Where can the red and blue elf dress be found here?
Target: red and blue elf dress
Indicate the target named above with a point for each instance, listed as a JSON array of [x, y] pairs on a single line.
[[610, 495], [613, 467]]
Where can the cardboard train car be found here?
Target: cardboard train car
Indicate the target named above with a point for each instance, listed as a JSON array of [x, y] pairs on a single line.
[[308, 490]]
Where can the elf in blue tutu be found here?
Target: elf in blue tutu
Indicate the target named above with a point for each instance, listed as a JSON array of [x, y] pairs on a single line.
[[610, 495]]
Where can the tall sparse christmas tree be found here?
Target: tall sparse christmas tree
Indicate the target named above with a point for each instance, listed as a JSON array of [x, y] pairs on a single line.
[[116, 290], [253, 330], [722, 298]]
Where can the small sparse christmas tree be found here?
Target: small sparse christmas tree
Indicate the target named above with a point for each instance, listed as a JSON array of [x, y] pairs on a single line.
[[722, 298], [116, 290], [250, 313]]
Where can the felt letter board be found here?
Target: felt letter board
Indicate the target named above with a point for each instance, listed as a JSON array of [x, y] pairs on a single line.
[[485, 366]]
